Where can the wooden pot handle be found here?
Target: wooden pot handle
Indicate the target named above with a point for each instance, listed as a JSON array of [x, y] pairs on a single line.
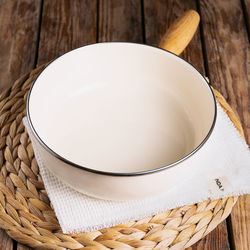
[[180, 32]]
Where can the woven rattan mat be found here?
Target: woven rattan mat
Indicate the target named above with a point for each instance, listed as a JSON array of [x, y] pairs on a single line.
[[28, 217]]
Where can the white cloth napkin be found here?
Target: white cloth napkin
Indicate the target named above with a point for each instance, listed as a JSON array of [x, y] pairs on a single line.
[[224, 170]]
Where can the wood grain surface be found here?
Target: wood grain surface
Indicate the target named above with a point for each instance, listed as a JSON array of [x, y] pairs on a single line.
[[224, 34], [5, 241], [22, 247], [240, 223], [66, 25], [120, 20], [227, 53], [19, 21], [33, 32]]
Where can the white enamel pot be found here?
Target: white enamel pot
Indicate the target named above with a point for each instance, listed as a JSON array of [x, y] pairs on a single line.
[[116, 120]]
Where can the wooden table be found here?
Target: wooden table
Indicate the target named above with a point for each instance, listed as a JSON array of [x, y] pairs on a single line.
[[33, 32]]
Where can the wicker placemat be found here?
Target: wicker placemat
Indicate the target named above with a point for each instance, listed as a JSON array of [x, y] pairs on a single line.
[[27, 216]]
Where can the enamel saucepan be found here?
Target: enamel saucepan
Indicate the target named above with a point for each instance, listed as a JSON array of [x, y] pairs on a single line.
[[117, 120]]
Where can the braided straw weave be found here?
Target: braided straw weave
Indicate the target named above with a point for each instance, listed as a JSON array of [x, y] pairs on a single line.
[[28, 217]]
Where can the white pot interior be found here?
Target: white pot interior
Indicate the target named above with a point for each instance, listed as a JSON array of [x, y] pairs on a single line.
[[121, 107]]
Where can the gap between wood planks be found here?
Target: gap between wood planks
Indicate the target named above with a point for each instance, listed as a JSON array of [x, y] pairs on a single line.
[[38, 34]]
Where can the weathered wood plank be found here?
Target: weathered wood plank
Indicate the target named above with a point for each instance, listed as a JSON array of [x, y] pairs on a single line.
[[227, 48], [22, 247], [66, 25], [158, 17], [120, 20], [227, 51], [240, 219], [6, 242], [19, 22]]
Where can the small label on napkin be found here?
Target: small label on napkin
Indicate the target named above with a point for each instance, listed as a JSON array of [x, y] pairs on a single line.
[[219, 184]]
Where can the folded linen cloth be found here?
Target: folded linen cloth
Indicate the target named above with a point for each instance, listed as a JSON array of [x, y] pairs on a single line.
[[223, 170]]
